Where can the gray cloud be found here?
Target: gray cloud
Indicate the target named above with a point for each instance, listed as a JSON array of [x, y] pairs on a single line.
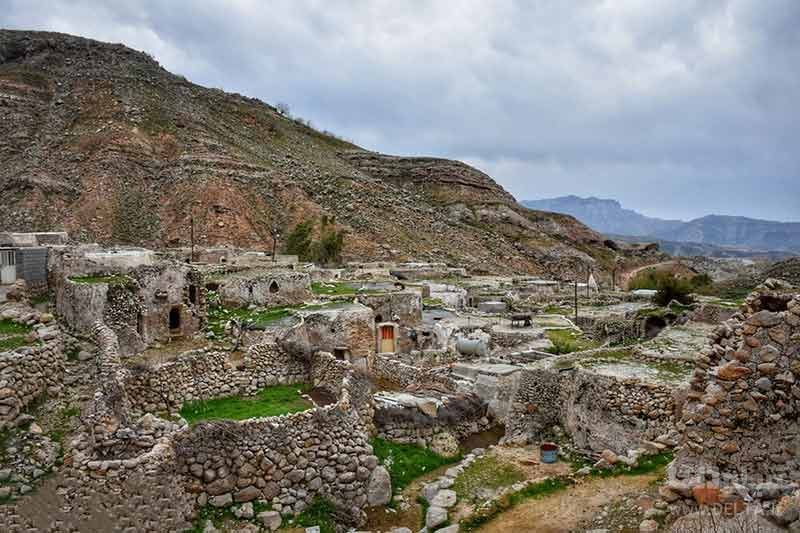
[[677, 108]]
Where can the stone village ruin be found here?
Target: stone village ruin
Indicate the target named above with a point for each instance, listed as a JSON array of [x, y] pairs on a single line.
[[394, 354], [427, 356]]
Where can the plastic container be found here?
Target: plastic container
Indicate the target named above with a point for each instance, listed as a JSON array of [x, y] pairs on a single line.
[[548, 452]]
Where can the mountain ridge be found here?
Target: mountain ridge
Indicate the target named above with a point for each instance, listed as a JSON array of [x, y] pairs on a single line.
[[609, 217], [99, 140]]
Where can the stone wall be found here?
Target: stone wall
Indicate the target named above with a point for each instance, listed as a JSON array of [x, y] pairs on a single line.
[[741, 422], [29, 373], [406, 306], [433, 420], [401, 375], [204, 374], [287, 460], [137, 306], [265, 287], [599, 412]]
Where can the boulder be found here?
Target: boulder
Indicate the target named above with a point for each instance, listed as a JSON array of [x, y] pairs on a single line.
[[444, 498], [435, 516], [379, 487], [270, 519]]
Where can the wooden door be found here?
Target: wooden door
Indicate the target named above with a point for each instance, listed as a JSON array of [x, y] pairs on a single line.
[[387, 339]]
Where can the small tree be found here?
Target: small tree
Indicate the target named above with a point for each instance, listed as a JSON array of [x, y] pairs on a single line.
[[671, 288], [331, 242], [298, 242]]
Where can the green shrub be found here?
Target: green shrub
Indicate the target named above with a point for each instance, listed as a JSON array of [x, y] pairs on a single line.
[[326, 250], [671, 288], [298, 242]]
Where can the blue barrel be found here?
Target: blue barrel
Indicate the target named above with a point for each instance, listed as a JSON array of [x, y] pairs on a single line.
[[548, 452]]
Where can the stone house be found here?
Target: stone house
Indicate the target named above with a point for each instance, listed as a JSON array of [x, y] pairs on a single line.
[[263, 287], [149, 304]]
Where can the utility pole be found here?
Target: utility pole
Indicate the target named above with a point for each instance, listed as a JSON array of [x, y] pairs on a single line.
[[275, 236], [576, 298]]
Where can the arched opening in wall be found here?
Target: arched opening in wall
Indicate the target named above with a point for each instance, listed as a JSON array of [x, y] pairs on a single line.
[[213, 287], [193, 294], [774, 304], [653, 326], [341, 352], [273, 287], [140, 324], [250, 291], [378, 318], [175, 320]]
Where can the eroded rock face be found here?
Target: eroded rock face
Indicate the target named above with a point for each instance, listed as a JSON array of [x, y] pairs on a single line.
[[741, 420]]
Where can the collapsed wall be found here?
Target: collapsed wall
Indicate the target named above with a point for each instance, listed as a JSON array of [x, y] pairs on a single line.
[[598, 411], [432, 420], [741, 422]]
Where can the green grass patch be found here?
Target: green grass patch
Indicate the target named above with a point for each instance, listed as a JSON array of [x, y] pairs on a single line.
[[12, 343], [336, 288], [110, 280], [558, 310], [568, 341], [62, 422], [646, 465], [407, 462], [271, 401], [9, 327], [218, 316], [432, 302], [319, 513], [487, 472]]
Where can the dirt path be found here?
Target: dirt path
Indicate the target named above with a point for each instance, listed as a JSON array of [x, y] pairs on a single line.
[[565, 510]]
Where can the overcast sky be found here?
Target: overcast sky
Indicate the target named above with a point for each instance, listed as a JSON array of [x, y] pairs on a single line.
[[676, 108]]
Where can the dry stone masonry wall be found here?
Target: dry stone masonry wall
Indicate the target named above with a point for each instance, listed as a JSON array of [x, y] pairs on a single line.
[[600, 412], [28, 373], [741, 422], [206, 374]]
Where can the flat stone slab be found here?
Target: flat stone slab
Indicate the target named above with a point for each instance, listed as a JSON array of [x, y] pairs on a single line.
[[471, 371]]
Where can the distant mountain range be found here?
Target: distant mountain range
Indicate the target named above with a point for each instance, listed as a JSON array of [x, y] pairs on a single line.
[[735, 235]]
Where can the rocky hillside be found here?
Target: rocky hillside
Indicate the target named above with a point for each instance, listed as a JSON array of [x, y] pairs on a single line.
[[99, 140]]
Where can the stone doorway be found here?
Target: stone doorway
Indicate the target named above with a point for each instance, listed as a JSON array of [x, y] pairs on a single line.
[[175, 321], [387, 338]]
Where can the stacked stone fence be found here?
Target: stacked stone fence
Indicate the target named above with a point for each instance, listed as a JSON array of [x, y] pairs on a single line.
[[403, 375], [599, 412], [30, 373]]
